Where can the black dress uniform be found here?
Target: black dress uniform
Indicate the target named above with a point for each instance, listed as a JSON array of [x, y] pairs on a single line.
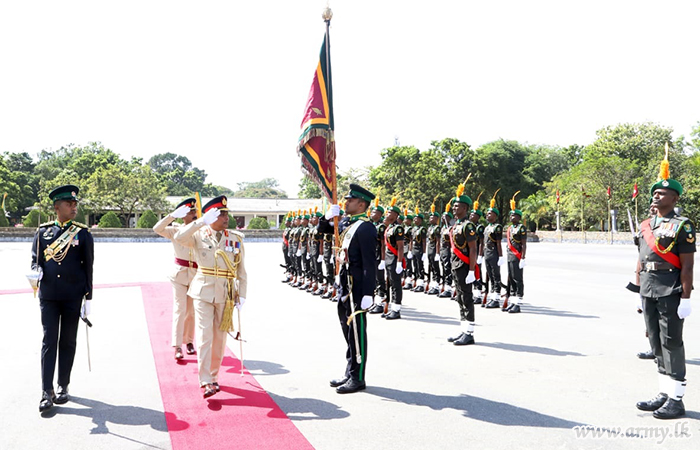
[[479, 283], [418, 237], [516, 235], [329, 261], [394, 234], [315, 247], [408, 237], [64, 252], [433, 236], [293, 247], [463, 232], [381, 277], [285, 251], [446, 257], [493, 234]]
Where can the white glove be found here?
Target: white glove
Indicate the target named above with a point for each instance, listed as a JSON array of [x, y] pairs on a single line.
[[501, 260], [381, 266], [308, 256], [470, 278], [640, 303], [299, 252], [332, 259], [480, 259], [241, 301], [319, 259], [409, 255], [521, 264], [333, 211], [180, 212], [210, 216], [437, 257], [366, 302], [399, 268], [85, 310], [425, 257], [684, 309]]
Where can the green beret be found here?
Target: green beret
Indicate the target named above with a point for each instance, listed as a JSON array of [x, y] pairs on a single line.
[[409, 217], [420, 215], [667, 184], [306, 216], [318, 214], [494, 210], [395, 209], [434, 214], [515, 211], [378, 208], [462, 199], [478, 212], [447, 213], [401, 217]]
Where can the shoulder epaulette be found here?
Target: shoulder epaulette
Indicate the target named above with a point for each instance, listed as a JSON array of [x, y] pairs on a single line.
[[46, 224], [237, 233], [80, 225]]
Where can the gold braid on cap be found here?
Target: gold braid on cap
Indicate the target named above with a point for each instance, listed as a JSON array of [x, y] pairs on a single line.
[[492, 204], [664, 171], [512, 201], [476, 202]]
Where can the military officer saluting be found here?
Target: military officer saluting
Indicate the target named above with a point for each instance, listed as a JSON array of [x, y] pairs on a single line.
[[181, 278], [516, 241], [63, 252], [221, 277], [665, 279]]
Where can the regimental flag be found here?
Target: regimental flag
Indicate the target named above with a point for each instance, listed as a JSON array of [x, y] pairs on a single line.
[[635, 191], [608, 193], [557, 195], [316, 144]]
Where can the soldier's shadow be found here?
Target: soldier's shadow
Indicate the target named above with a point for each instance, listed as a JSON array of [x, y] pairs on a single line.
[[530, 309], [529, 349], [426, 316], [101, 413], [258, 368], [476, 408]]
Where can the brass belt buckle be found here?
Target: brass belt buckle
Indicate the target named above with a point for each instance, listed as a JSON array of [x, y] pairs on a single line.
[[650, 266]]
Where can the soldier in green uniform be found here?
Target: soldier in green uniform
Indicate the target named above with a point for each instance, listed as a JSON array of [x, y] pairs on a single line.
[[329, 262], [285, 249], [377, 218], [418, 246], [446, 252], [303, 252], [394, 259], [293, 248], [433, 237], [316, 258], [493, 254], [408, 282], [516, 241], [463, 240], [665, 278], [475, 217], [63, 253]]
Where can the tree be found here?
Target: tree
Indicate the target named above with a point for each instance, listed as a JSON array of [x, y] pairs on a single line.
[[308, 188], [110, 220], [3, 220], [536, 207], [34, 218], [258, 223], [265, 188], [147, 220], [177, 173]]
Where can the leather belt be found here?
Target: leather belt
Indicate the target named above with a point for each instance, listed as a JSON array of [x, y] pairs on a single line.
[[216, 272], [185, 263], [658, 266]]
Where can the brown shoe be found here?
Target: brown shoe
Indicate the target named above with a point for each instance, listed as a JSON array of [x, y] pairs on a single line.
[[190, 349], [178, 353]]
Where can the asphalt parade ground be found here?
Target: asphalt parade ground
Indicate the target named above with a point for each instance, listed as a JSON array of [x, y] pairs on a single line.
[[563, 374]]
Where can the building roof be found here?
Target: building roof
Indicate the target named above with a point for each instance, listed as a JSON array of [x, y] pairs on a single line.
[[263, 206]]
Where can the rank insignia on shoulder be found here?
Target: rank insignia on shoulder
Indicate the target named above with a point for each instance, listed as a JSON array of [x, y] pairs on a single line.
[[688, 228], [690, 239]]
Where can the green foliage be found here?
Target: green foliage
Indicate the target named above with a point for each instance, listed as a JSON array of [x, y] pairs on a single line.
[[110, 220], [3, 220], [258, 223], [32, 219], [308, 188], [265, 188], [538, 207], [147, 219], [178, 174]]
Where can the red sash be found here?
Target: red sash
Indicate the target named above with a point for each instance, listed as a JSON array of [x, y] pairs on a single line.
[[284, 239], [463, 257], [511, 247], [648, 235], [393, 250], [185, 263]]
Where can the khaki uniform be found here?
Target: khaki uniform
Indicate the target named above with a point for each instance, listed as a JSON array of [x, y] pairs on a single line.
[[209, 291], [181, 278]]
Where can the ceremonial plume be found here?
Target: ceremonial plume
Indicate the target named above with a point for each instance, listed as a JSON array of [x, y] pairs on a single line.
[[476, 202], [492, 204], [432, 206], [460, 188], [664, 171], [512, 201]]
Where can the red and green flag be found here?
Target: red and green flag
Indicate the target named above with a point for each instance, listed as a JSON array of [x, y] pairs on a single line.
[[635, 191], [316, 143]]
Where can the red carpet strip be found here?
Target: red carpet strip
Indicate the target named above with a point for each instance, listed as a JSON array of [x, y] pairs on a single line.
[[241, 416]]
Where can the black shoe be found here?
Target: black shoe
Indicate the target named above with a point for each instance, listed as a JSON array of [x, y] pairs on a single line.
[[672, 409], [465, 339], [434, 291], [493, 304], [393, 315], [513, 309], [455, 338], [190, 349], [318, 291], [46, 402], [351, 386], [376, 309], [477, 300], [653, 404], [62, 396], [646, 355], [445, 294], [339, 381]]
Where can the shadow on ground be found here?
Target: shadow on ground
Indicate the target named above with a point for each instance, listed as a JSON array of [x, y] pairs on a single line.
[[528, 349], [530, 309], [428, 317], [476, 408]]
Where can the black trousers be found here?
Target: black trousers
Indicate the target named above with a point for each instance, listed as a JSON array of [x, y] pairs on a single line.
[[464, 293], [394, 282], [479, 283], [417, 265], [515, 278], [433, 268], [330, 268], [60, 322], [354, 369], [446, 268], [494, 275], [314, 267], [287, 261], [665, 331], [380, 283], [407, 272]]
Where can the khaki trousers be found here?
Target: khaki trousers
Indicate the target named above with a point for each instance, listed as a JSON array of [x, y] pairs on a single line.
[[183, 316], [211, 341]]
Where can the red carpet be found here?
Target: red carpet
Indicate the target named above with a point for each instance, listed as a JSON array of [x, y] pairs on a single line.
[[241, 416]]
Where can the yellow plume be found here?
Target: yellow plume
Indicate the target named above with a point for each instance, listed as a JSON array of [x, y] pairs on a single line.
[[376, 201], [432, 206], [476, 202], [664, 172], [447, 207], [315, 209], [417, 210], [299, 212], [394, 199], [460, 188], [512, 201], [492, 204]]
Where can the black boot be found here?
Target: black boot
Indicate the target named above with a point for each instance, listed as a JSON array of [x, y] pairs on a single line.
[[46, 402], [62, 396], [377, 308], [672, 409], [455, 338], [339, 381], [465, 339], [493, 304], [646, 355], [513, 308], [351, 386], [653, 404], [393, 315]]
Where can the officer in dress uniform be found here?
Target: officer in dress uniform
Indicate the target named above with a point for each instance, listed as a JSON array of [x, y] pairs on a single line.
[[181, 278], [217, 251], [463, 259], [357, 282], [516, 240], [393, 260], [377, 218], [418, 247], [285, 249], [475, 217], [63, 252], [433, 237], [493, 254], [446, 252], [665, 278]]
